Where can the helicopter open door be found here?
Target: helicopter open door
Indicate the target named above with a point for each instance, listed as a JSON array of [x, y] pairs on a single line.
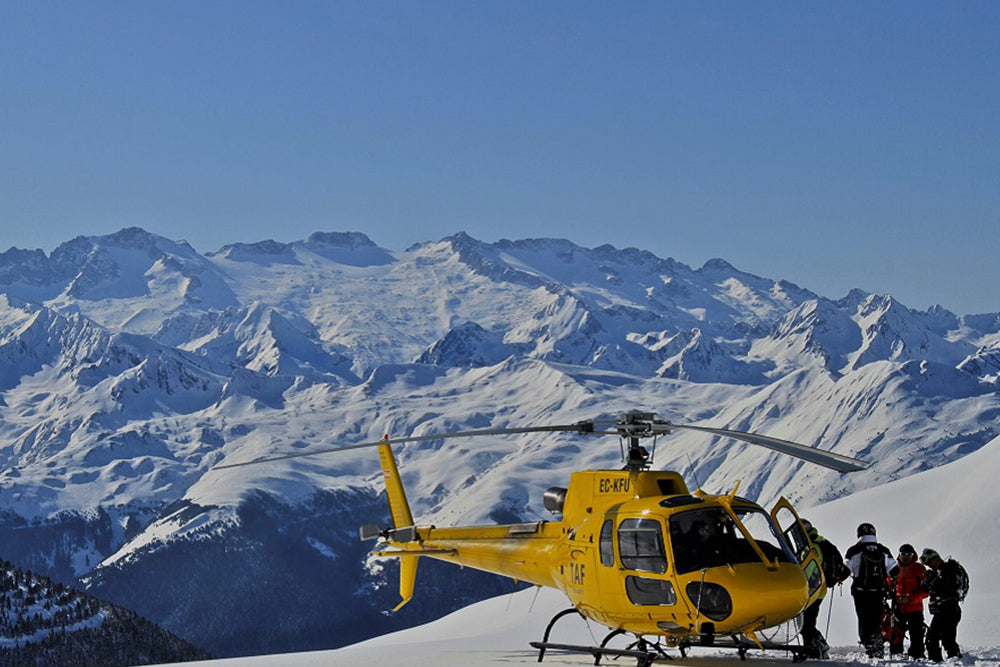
[[788, 522]]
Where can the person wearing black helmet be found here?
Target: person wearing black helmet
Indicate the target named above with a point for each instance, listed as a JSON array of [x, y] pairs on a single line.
[[870, 564], [947, 582]]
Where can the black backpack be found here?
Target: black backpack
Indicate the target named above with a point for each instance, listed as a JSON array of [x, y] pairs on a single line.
[[871, 577], [834, 570], [949, 583], [963, 581], [956, 579]]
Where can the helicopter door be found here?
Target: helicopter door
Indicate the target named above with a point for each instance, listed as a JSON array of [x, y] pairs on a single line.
[[794, 532]]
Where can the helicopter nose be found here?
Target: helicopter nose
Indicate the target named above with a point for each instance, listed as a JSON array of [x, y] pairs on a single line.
[[783, 602], [782, 598], [768, 597]]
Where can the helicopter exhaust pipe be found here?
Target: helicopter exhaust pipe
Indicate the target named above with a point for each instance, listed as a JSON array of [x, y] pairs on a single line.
[[554, 499]]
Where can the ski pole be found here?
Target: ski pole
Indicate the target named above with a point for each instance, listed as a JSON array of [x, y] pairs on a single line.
[[829, 613]]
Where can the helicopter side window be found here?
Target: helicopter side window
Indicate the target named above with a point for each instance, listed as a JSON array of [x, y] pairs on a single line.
[[640, 545], [607, 544], [644, 590], [794, 535]]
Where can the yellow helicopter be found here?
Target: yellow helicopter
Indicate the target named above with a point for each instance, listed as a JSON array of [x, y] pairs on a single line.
[[633, 549]]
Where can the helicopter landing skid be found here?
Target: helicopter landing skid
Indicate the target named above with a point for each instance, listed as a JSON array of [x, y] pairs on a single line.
[[643, 658], [742, 646], [644, 652]]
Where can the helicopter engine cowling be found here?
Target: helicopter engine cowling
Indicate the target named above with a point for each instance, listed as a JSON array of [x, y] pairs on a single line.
[[554, 498]]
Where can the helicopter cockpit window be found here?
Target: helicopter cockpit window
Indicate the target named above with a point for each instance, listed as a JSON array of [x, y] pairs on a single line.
[[640, 545], [709, 537], [765, 534], [607, 544]]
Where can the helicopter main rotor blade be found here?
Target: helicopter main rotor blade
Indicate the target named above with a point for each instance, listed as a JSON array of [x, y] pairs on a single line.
[[634, 425], [579, 427], [837, 462]]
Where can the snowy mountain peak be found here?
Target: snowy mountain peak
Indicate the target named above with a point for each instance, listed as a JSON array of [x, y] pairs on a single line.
[[853, 299], [345, 240], [984, 363], [348, 248], [470, 345], [135, 238], [717, 265], [817, 328], [24, 266], [268, 251], [132, 268], [76, 252]]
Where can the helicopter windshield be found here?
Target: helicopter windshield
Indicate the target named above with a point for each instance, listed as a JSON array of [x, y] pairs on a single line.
[[709, 537]]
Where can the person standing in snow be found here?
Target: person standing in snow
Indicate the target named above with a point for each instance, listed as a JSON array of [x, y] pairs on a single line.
[[834, 572], [908, 593], [870, 564], [947, 583]]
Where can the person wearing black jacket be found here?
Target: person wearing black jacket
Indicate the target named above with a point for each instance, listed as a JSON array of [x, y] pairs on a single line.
[[947, 583], [870, 564]]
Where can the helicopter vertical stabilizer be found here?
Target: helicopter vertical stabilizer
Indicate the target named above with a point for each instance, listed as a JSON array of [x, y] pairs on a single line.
[[399, 508], [407, 579]]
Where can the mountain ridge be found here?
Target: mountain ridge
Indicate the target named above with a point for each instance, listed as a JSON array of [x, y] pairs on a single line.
[[141, 364]]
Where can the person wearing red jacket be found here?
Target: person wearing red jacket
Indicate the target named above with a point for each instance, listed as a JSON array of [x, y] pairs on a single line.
[[908, 580]]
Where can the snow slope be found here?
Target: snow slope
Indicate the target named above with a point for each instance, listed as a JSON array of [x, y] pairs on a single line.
[[952, 509]]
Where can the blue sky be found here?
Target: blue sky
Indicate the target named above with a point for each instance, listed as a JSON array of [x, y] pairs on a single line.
[[833, 144]]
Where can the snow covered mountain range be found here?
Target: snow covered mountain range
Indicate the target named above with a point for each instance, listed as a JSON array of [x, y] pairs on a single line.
[[130, 365]]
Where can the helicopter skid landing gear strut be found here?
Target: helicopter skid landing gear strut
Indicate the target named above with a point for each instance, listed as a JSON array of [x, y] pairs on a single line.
[[744, 646], [644, 652]]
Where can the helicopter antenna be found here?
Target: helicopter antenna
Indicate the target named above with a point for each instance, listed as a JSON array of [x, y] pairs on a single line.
[[694, 471]]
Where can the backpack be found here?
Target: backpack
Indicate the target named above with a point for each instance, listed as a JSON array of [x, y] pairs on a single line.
[[834, 570], [871, 575], [957, 579]]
